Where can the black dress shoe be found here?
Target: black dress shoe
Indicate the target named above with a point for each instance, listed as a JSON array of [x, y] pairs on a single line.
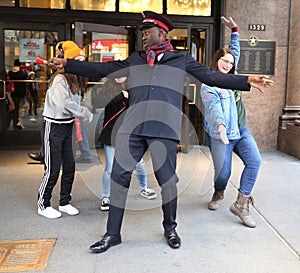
[[36, 157], [105, 243], [173, 239]]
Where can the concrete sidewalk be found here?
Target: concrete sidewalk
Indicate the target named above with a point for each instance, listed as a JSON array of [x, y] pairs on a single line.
[[212, 242]]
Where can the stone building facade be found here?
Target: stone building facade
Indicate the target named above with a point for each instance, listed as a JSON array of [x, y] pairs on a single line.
[[274, 116]]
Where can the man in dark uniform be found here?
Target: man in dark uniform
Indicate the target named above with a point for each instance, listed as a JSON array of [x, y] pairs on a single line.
[[153, 119]]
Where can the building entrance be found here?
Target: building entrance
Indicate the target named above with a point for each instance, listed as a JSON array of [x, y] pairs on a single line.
[[101, 43], [104, 43]]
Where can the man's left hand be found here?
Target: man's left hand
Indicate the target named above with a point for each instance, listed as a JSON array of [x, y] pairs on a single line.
[[260, 81]]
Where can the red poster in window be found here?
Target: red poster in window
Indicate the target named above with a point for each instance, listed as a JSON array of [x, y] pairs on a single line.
[[107, 58]]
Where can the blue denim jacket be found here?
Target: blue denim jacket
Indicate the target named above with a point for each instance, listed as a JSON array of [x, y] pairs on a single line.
[[220, 106]]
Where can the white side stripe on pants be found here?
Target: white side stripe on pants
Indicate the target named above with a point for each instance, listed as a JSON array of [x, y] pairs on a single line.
[[47, 161]]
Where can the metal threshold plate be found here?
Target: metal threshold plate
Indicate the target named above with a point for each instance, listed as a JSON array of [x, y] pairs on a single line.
[[16, 256]]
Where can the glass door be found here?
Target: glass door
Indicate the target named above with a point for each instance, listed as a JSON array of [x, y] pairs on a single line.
[[195, 40], [101, 43], [198, 41], [22, 47]]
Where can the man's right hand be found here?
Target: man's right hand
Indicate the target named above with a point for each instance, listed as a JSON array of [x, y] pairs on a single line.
[[57, 63]]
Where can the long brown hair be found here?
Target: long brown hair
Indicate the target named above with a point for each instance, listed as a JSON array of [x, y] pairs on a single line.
[[219, 54], [77, 84], [111, 87]]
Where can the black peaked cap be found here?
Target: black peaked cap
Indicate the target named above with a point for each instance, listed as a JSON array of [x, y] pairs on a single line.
[[153, 19]]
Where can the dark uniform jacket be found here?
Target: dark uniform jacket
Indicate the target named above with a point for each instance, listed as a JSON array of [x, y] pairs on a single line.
[[155, 104]]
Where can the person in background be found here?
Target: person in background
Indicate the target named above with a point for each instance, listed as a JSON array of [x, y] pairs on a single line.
[[153, 118], [84, 146], [225, 123], [59, 52], [33, 96], [10, 106], [112, 112], [62, 105], [18, 95], [39, 156]]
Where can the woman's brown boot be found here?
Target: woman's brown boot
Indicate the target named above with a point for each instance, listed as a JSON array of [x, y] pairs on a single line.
[[241, 208], [214, 204]]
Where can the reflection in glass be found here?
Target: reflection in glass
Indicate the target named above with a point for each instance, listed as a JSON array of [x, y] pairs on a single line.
[[182, 7], [109, 47], [44, 4], [95, 5], [25, 45], [140, 5], [187, 7], [13, 39], [7, 3]]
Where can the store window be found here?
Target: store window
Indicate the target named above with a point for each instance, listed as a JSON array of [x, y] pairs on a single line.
[[95, 5], [46, 4], [140, 5], [7, 3], [105, 47], [109, 47], [26, 46], [185, 7], [181, 7]]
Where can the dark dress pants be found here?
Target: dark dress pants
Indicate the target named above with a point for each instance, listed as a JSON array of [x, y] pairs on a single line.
[[129, 151]]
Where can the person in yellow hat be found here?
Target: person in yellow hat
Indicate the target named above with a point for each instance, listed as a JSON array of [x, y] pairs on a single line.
[[86, 156], [62, 105], [72, 51]]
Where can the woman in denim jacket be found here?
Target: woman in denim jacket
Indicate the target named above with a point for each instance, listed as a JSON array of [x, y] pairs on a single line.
[[225, 124]]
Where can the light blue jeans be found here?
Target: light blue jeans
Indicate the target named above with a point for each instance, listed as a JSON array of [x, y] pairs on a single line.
[[247, 150], [109, 157]]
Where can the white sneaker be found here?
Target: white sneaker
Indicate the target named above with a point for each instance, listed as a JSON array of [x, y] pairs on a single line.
[[148, 193], [68, 209], [105, 202], [50, 213]]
